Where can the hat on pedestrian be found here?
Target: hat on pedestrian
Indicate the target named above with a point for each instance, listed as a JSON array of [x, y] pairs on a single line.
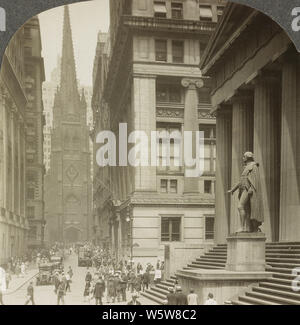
[[178, 288]]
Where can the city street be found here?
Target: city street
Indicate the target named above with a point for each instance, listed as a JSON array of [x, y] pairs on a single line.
[[44, 295]]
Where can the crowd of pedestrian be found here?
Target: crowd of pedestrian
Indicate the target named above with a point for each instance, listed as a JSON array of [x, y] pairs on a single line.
[[113, 280], [106, 281]]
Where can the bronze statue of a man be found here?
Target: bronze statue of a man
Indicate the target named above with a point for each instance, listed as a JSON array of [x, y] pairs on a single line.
[[250, 201]]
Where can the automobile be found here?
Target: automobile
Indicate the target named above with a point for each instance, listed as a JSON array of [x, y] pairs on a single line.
[[56, 259], [57, 263], [84, 257], [45, 275]]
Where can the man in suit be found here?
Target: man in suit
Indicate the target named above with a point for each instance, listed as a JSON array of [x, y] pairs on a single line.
[[30, 294], [99, 291], [180, 297], [171, 298]]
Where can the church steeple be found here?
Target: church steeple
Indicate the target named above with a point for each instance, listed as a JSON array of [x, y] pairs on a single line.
[[68, 83], [83, 100]]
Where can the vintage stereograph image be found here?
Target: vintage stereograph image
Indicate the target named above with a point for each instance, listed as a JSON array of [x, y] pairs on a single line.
[[150, 155]]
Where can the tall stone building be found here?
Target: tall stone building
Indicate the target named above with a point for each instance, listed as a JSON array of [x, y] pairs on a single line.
[[151, 83], [35, 76], [68, 183], [49, 91], [21, 150], [101, 176]]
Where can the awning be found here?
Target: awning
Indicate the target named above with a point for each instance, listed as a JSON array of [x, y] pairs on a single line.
[[160, 7], [206, 12]]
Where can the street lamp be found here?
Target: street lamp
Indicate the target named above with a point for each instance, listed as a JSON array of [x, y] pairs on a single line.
[[129, 220], [43, 232]]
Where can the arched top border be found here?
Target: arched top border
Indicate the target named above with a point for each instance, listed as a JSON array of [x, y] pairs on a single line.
[[17, 13], [285, 13]]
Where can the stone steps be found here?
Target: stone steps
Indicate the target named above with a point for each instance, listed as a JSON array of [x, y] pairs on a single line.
[[282, 251], [277, 292], [281, 247], [150, 296], [279, 281], [292, 243], [283, 276], [278, 269], [205, 267], [167, 283], [219, 250], [160, 290], [283, 286], [155, 293], [209, 263], [282, 255], [273, 298], [212, 258], [281, 258], [253, 301], [217, 254], [164, 286], [240, 303], [284, 265]]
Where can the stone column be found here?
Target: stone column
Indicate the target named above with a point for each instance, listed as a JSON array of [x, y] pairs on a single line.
[[223, 174], [290, 150], [12, 185], [267, 147], [112, 229], [5, 157], [144, 112], [119, 239], [2, 157], [191, 184], [242, 141], [18, 189], [23, 150]]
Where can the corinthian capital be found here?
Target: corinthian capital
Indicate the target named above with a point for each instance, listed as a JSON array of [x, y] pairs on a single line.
[[191, 83]]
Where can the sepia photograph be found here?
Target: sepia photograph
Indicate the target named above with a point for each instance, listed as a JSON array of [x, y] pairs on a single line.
[[150, 155]]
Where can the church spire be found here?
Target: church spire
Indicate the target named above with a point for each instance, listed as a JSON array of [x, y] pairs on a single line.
[[83, 99], [68, 82]]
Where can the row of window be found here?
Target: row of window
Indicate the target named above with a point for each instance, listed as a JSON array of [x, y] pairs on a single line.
[[171, 186], [168, 186], [168, 150], [172, 93], [171, 229], [161, 51], [205, 11]]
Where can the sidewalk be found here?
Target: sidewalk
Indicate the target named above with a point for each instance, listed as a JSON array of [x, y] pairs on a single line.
[[17, 282]]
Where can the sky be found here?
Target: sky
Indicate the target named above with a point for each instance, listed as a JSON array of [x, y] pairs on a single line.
[[87, 19]]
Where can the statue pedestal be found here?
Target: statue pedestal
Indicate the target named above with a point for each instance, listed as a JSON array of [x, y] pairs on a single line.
[[178, 255], [246, 252], [224, 285], [245, 268]]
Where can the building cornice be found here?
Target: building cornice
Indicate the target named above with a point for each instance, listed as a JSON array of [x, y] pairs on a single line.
[[13, 84], [139, 23]]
